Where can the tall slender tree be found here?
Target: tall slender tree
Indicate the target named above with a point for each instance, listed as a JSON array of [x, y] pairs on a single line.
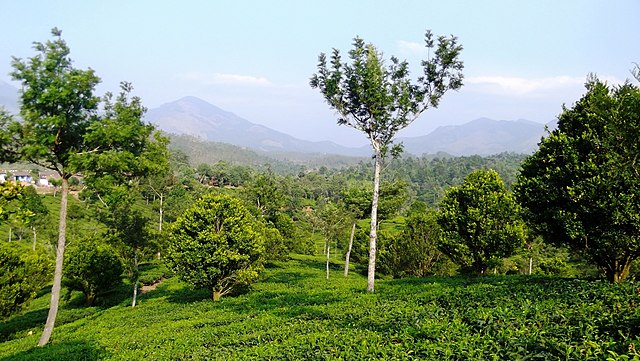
[[62, 130], [57, 106], [380, 100]]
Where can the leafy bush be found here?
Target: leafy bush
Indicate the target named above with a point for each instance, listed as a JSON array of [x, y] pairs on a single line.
[[92, 267], [216, 244], [22, 274], [480, 222]]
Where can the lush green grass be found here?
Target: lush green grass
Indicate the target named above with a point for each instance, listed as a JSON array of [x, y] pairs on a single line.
[[293, 313]]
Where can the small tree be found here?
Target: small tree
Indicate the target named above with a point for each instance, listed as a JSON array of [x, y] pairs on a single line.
[[417, 249], [480, 221], [581, 188], [215, 245], [33, 212], [379, 101], [92, 268]]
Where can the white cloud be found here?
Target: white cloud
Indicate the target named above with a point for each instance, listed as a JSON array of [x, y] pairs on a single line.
[[411, 47], [524, 86], [226, 79], [517, 86]]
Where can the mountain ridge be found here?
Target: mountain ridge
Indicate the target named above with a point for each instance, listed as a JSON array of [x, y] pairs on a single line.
[[482, 136], [195, 117]]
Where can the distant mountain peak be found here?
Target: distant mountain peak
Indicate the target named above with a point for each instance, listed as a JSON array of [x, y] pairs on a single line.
[[193, 116]]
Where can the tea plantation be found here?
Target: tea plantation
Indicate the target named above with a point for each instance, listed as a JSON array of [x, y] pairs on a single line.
[[294, 313]]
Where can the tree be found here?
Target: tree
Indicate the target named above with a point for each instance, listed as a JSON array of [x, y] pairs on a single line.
[[331, 221], [61, 128], [8, 192], [581, 188], [379, 101], [57, 106], [32, 212], [215, 245], [417, 251], [480, 222], [92, 267], [114, 176]]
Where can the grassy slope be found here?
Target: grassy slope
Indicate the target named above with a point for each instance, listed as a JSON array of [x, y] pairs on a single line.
[[293, 313]]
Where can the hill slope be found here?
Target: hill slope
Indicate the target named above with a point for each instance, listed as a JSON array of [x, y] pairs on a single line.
[[294, 313], [481, 136], [193, 116]]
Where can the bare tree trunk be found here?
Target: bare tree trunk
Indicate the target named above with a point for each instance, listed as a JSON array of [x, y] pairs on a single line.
[[161, 212], [328, 253], [10, 233], [530, 265], [161, 217], [33, 229], [135, 279], [346, 260], [373, 236], [57, 276]]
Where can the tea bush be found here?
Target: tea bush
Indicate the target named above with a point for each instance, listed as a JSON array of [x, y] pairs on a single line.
[[294, 313]]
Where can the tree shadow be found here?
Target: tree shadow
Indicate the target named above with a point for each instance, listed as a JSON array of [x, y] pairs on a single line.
[[18, 325], [78, 350]]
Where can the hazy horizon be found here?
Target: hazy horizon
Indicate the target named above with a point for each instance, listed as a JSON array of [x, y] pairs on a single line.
[[523, 60]]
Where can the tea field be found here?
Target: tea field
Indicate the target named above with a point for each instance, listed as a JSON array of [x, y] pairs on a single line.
[[294, 313]]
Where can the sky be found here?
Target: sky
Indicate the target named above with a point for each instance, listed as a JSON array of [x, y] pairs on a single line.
[[523, 59]]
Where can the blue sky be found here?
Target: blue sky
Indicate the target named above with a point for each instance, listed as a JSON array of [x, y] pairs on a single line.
[[523, 59]]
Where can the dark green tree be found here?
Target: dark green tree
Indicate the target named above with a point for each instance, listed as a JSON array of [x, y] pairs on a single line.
[[62, 130], [92, 267], [481, 222], [416, 251], [215, 245], [380, 100], [581, 188]]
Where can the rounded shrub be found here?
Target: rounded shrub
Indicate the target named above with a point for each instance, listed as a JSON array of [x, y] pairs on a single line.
[[92, 267]]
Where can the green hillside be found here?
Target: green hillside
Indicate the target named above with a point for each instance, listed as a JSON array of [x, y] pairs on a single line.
[[294, 313]]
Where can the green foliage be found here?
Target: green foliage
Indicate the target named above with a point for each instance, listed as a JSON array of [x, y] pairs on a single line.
[[57, 106], [8, 192], [416, 249], [480, 221], [379, 100], [581, 188], [92, 267], [22, 274], [215, 245]]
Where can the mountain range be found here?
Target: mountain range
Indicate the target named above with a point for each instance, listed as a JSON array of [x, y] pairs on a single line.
[[195, 117], [483, 136]]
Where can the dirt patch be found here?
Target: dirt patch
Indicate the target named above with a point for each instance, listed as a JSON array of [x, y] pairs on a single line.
[[151, 287]]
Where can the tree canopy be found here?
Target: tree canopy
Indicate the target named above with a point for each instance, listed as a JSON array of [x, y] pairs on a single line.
[[581, 188], [62, 130], [380, 100], [216, 245], [480, 222]]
